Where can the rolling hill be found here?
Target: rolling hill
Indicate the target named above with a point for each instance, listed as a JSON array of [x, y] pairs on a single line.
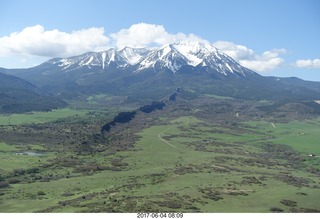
[[152, 73], [17, 96]]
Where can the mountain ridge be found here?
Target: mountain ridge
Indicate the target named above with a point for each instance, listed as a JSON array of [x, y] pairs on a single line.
[[172, 56], [151, 73], [18, 96]]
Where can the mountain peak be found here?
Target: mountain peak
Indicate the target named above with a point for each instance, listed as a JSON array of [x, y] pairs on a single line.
[[133, 55], [195, 46], [194, 51], [198, 54]]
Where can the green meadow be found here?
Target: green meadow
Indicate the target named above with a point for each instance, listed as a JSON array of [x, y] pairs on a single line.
[[39, 117], [302, 136], [183, 165]]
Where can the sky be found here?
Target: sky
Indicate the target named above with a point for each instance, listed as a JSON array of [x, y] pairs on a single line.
[[272, 37]]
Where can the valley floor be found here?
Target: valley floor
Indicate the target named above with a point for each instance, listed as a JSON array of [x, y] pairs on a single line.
[[171, 160]]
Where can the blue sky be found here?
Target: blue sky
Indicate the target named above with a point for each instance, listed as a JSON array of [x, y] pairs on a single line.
[[272, 37]]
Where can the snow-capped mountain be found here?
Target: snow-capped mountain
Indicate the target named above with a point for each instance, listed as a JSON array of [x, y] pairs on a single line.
[[165, 57], [170, 56], [122, 58], [152, 73], [192, 53], [132, 56]]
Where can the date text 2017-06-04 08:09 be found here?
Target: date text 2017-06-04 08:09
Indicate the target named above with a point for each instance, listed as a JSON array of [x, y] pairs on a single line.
[[160, 215]]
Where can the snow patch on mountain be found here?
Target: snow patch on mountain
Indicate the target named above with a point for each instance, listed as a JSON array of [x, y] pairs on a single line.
[[103, 56], [194, 51], [170, 56], [87, 61], [112, 54], [132, 56]]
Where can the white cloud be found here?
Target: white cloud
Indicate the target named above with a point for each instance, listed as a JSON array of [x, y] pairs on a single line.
[[267, 61], [37, 41], [144, 35], [308, 63], [237, 52]]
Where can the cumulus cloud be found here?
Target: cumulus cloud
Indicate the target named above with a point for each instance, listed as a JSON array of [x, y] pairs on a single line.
[[267, 61], [144, 35], [237, 52], [37, 41], [308, 63]]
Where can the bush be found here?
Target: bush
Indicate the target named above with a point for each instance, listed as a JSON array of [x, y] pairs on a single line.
[[41, 193], [4, 184], [33, 170], [18, 172], [288, 203], [13, 180], [67, 194], [275, 209]]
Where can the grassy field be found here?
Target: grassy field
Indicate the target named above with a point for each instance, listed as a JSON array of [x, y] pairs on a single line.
[[302, 136], [244, 184], [39, 117], [184, 165], [17, 156]]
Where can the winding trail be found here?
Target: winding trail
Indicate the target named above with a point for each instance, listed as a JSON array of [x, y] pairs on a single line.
[[165, 141]]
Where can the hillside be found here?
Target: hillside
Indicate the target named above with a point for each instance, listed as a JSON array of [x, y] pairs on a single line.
[[17, 96], [151, 73]]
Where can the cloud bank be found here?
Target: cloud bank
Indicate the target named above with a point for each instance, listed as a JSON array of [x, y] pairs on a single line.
[[267, 61], [308, 63], [144, 35], [37, 41]]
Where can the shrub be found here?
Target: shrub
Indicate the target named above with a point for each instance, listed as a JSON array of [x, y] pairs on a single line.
[[67, 194], [18, 172], [33, 170], [4, 184], [13, 180], [63, 203], [288, 203], [41, 193], [275, 209]]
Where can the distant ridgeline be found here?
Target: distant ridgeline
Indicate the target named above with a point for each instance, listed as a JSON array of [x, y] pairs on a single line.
[[125, 117]]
